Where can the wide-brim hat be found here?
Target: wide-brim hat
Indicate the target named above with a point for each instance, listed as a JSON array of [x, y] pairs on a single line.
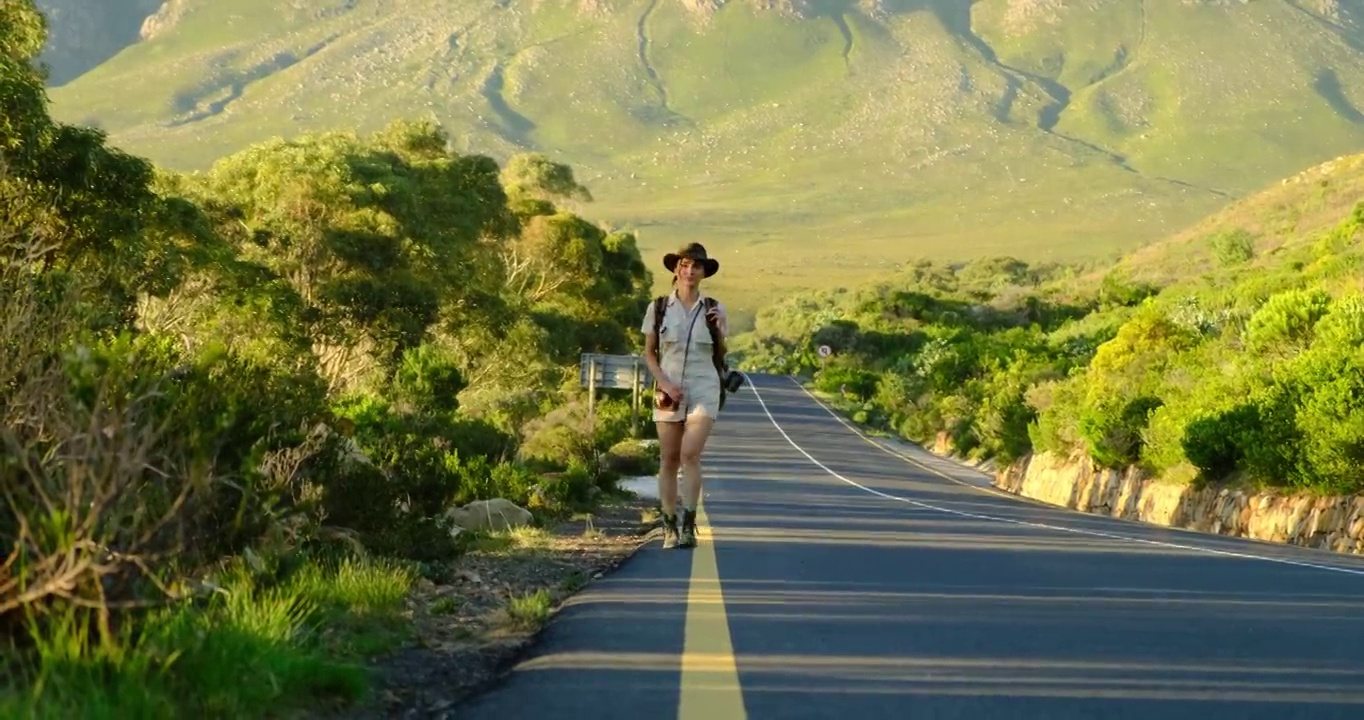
[[696, 252]]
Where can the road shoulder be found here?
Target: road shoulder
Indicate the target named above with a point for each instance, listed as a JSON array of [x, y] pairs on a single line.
[[486, 610]]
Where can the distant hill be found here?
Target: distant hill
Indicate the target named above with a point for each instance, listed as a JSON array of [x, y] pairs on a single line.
[[1263, 227], [806, 142]]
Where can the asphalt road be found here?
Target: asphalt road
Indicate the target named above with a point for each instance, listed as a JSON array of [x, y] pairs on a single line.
[[841, 579]]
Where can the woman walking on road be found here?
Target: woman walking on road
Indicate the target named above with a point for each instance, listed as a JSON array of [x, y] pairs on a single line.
[[682, 330]]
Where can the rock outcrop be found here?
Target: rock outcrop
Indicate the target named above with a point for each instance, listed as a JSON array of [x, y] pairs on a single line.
[[83, 34], [1332, 523], [489, 515], [163, 20]]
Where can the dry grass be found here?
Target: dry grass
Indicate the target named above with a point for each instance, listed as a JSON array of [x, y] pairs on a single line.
[[93, 498]]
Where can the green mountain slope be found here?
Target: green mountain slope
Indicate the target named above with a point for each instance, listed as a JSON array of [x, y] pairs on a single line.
[[1281, 230], [807, 142]]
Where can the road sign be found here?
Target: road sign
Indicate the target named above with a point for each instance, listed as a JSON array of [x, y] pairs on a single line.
[[614, 372], [825, 351]]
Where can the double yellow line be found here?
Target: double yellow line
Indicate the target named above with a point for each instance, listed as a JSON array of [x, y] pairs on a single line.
[[710, 675]]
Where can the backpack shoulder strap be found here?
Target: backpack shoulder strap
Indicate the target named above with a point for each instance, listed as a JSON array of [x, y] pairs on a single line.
[[718, 349], [660, 308]]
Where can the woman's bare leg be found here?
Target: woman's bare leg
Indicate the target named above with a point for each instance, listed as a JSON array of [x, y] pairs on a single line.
[[670, 436], [693, 443]]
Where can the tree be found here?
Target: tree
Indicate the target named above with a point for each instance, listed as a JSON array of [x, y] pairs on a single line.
[[90, 209], [376, 235]]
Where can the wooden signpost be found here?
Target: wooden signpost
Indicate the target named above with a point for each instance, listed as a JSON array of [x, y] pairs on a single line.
[[613, 372]]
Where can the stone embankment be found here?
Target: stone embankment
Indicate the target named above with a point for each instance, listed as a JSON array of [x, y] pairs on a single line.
[[1331, 523]]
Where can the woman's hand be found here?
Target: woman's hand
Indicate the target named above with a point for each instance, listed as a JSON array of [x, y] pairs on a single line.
[[673, 390], [716, 318]]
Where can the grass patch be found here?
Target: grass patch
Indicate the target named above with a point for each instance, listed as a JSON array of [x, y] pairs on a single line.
[[574, 582], [511, 540], [530, 611], [251, 646], [445, 606]]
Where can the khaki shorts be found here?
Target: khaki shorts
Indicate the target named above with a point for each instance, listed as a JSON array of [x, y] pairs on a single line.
[[699, 398]]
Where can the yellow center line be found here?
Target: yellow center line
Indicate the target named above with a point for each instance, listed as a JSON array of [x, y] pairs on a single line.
[[710, 675]]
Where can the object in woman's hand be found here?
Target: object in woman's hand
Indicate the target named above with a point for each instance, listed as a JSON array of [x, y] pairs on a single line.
[[664, 401]]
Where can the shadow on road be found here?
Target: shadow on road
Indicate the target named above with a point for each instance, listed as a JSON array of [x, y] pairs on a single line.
[[843, 604]]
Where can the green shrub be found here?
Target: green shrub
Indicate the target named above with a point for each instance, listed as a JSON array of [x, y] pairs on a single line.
[[427, 379], [1057, 404], [416, 466], [857, 382], [1116, 291], [1235, 373], [574, 487], [173, 356], [1216, 443], [1287, 319], [1330, 422], [1004, 416], [1232, 247], [895, 397], [512, 481], [632, 457], [1112, 429], [1343, 326], [558, 438], [567, 434]]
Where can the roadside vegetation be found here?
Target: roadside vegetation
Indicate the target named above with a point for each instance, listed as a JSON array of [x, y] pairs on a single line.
[[1231, 355], [235, 407]]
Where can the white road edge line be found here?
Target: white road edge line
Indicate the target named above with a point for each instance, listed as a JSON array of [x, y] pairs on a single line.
[[1042, 526]]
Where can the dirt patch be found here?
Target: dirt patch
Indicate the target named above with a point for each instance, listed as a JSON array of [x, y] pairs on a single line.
[[489, 605]]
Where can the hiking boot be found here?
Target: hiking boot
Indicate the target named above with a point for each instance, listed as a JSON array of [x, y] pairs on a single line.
[[688, 538], [669, 532]]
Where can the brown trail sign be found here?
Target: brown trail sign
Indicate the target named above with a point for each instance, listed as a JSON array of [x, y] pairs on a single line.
[[613, 372]]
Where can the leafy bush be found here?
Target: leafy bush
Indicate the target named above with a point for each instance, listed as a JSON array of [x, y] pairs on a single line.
[[840, 379], [575, 487], [1287, 319], [1236, 374], [1232, 247], [567, 434], [1216, 443], [632, 457]]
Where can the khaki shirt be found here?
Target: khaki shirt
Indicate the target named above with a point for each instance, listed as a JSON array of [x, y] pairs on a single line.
[[700, 382]]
